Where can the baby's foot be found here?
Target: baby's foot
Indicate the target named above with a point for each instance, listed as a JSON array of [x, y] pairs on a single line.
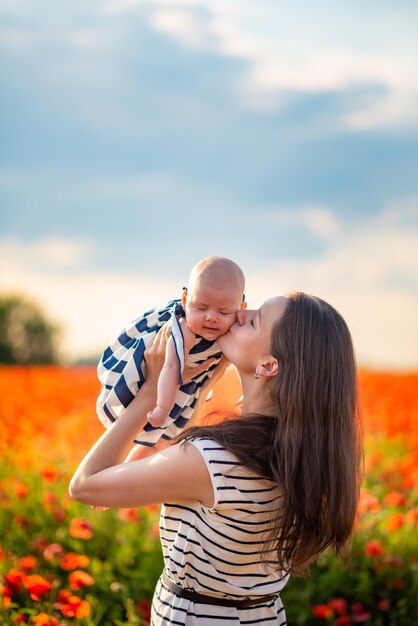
[[157, 416], [100, 508]]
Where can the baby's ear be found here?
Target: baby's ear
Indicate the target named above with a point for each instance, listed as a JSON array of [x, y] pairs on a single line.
[[184, 296]]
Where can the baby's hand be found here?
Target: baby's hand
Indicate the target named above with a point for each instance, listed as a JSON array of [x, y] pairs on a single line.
[[157, 416]]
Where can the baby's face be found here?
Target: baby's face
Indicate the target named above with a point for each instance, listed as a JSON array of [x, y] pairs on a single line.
[[211, 312]]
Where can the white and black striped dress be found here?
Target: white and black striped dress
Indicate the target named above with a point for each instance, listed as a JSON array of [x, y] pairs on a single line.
[[216, 550]]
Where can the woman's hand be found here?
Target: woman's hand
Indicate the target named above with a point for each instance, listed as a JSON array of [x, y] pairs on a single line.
[[155, 356]]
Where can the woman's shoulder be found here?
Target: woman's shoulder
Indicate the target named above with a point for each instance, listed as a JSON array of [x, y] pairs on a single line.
[[233, 481], [227, 462], [209, 446], [216, 455]]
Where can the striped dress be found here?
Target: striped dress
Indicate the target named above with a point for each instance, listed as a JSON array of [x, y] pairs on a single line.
[[215, 550]]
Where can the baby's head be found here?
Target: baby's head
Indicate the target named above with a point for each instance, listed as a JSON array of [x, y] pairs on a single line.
[[213, 297]]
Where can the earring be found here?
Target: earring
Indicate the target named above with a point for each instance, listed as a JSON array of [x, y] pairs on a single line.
[[257, 375]]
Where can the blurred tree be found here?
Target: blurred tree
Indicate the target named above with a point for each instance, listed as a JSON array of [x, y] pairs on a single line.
[[26, 335]]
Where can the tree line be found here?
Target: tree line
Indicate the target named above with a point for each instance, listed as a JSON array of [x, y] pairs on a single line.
[[27, 336]]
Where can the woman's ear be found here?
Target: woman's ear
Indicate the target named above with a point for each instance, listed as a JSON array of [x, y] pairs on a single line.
[[269, 367], [184, 297]]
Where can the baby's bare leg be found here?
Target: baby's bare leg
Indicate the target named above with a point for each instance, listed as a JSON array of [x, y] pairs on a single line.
[[168, 384]]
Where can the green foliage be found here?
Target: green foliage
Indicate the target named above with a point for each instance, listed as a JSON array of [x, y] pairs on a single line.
[[125, 558], [26, 335], [376, 587]]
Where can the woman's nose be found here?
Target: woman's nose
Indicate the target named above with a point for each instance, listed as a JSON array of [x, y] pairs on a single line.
[[243, 315]]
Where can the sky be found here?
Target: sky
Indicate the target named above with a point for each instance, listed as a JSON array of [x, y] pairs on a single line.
[[140, 136]]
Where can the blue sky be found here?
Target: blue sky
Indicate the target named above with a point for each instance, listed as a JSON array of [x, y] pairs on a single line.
[[138, 137]]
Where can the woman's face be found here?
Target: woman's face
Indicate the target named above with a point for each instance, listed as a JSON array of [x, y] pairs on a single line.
[[248, 341]]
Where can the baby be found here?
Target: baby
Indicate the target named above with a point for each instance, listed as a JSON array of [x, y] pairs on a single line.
[[206, 311], [210, 303]]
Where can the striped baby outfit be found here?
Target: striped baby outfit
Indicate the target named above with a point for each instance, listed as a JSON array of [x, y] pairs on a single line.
[[216, 550], [121, 371]]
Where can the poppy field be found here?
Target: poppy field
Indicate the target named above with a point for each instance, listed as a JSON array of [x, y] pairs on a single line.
[[62, 563]]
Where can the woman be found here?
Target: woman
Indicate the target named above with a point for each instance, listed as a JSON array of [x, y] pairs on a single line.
[[250, 498]]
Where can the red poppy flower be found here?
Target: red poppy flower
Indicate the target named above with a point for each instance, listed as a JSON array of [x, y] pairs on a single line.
[[72, 606], [360, 613], [42, 619], [13, 579], [128, 515], [394, 498], [344, 620], [20, 619], [59, 514], [374, 547], [72, 560], [49, 498], [144, 609], [20, 489], [338, 605], [39, 544], [6, 602], [49, 472], [394, 522], [80, 579], [6, 593], [80, 528], [322, 611], [36, 585], [384, 604], [28, 562]]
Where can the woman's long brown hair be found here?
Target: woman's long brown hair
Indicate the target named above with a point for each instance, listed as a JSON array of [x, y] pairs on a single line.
[[312, 446]]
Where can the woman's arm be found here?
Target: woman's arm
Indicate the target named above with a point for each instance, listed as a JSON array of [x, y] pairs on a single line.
[[178, 473]]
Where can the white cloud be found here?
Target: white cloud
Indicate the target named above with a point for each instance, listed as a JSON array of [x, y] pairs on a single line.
[[50, 252], [120, 7], [279, 62], [318, 221], [184, 25]]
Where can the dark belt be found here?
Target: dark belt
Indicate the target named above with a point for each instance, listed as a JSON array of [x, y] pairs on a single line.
[[201, 598]]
